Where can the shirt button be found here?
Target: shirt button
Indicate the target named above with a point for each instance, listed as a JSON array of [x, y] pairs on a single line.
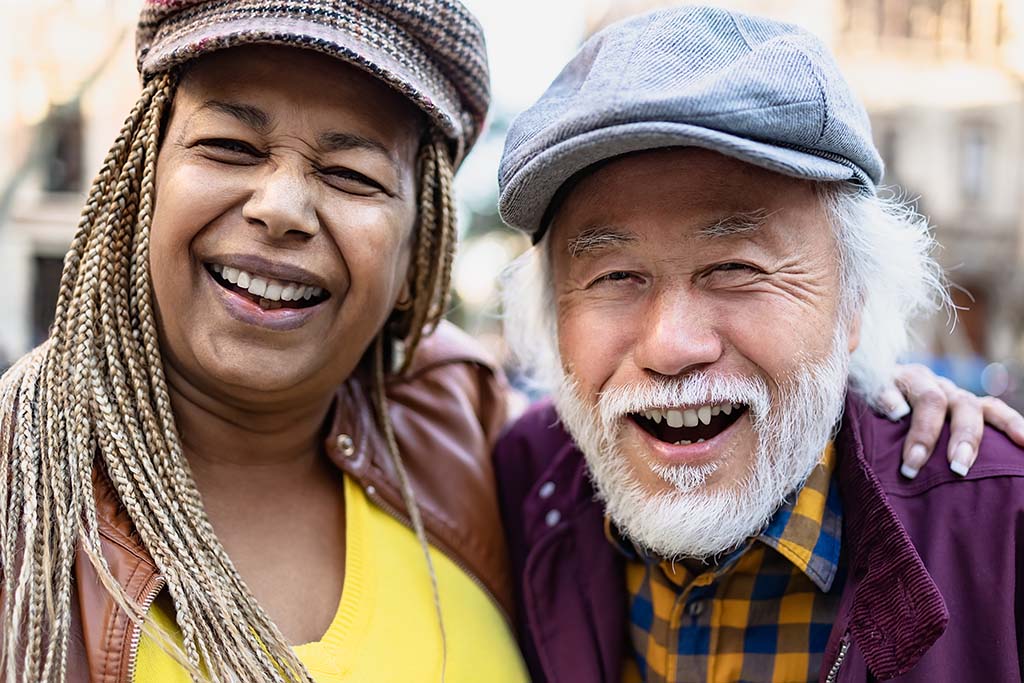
[[695, 608], [346, 445], [547, 490], [553, 517]]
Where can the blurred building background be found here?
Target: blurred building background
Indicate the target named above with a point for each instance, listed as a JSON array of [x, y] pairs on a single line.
[[943, 81]]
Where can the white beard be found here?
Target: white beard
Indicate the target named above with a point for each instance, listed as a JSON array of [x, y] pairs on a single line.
[[687, 521]]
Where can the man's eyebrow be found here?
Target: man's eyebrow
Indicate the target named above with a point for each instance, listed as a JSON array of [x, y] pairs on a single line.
[[252, 116], [597, 238], [737, 224]]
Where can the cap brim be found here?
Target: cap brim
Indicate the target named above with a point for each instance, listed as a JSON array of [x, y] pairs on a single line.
[[525, 200]]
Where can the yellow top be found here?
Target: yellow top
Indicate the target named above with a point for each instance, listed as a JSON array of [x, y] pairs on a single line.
[[386, 627]]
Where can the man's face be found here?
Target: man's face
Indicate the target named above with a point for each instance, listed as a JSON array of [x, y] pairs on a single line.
[[698, 321]]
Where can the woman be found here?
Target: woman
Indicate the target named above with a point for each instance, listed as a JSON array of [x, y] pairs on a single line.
[[238, 412], [270, 221]]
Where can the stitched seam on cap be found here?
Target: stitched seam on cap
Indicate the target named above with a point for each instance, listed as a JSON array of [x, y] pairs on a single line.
[[739, 30], [817, 81], [632, 54]]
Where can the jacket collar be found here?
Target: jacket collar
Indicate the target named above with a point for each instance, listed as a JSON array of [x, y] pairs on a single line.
[[897, 612], [891, 607]]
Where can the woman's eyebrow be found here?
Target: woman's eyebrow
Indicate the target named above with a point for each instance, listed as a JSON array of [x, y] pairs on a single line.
[[250, 115]]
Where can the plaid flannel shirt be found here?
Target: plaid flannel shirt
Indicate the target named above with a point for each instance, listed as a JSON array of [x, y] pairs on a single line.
[[764, 613]]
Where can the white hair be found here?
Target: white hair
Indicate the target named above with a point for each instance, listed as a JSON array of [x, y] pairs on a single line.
[[689, 519], [887, 274]]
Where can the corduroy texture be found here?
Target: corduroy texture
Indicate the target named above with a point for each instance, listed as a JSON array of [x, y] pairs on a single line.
[[761, 91], [431, 51]]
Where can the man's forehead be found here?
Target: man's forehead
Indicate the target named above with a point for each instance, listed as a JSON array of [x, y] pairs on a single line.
[[592, 239]]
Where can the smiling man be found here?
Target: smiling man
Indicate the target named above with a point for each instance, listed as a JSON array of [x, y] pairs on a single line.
[[715, 283]]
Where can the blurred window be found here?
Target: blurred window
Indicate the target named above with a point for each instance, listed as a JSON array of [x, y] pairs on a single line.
[[975, 153], [44, 295], [64, 167], [888, 147], [928, 20], [1001, 28]]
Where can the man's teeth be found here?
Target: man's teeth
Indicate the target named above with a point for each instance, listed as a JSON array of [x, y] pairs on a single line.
[[272, 290], [690, 417]]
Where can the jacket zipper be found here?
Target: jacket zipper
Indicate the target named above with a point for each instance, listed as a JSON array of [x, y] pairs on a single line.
[[833, 673], [398, 516], [147, 602]]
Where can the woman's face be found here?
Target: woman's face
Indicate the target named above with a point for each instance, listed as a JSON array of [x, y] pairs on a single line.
[[284, 215]]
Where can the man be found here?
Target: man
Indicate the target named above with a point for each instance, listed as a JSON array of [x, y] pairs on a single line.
[[713, 268]]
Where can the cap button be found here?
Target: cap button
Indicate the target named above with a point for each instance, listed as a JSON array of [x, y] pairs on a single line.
[[346, 445]]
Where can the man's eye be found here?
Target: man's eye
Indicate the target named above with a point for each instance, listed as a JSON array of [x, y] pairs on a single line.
[[614, 276], [727, 267]]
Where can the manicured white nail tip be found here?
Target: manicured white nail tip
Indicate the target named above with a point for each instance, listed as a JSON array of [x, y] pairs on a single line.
[[899, 412], [959, 467], [908, 471]]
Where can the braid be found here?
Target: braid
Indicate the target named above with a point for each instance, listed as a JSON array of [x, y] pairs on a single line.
[[435, 245], [93, 401], [432, 265]]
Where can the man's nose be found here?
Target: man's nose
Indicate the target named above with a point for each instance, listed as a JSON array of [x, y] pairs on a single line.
[[284, 204], [679, 335]]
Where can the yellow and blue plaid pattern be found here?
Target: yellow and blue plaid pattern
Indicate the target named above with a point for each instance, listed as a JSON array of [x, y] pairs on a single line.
[[763, 614]]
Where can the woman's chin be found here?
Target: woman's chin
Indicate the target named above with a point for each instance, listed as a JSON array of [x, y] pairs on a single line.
[[261, 374]]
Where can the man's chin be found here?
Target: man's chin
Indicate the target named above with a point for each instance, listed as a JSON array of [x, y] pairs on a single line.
[[700, 524]]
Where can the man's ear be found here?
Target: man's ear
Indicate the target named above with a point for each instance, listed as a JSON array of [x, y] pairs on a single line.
[[853, 332]]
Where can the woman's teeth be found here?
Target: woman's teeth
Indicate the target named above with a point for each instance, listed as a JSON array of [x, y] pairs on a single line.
[[266, 288]]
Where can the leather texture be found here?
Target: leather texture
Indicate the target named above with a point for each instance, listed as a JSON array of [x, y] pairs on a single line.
[[447, 411]]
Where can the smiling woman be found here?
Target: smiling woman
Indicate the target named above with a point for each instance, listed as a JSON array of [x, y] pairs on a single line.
[[222, 466]]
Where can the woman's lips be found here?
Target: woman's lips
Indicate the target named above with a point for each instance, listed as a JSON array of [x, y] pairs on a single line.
[[246, 310]]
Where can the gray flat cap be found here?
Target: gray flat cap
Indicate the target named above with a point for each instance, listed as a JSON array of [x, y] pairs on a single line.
[[761, 91]]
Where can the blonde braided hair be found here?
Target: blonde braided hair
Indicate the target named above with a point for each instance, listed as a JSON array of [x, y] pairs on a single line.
[[94, 400]]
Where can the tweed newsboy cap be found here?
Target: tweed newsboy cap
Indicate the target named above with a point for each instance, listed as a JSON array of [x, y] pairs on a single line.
[[764, 92], [431, 51]]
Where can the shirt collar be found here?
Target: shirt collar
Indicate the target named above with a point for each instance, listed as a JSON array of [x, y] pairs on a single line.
[[806, 530]]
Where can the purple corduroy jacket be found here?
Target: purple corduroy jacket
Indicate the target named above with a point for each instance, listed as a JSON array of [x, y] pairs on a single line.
[[933, 592]]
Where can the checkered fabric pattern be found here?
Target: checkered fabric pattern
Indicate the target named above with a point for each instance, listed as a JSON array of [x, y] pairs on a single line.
[[432, 51], [763, 614]]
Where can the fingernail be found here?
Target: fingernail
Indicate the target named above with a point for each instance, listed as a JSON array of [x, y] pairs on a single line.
[[917, 455], [962, 459], [898, 408], [1017, 432], [908, 471]]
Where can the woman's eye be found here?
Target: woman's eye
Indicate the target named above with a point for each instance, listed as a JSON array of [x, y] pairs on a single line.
[[227, 148], [353, 182]]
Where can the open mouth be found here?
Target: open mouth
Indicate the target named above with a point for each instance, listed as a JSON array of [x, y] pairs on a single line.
[[685, 426], [268, 293]]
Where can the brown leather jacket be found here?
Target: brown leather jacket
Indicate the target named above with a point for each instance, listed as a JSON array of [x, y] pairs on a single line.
[[447, 412]]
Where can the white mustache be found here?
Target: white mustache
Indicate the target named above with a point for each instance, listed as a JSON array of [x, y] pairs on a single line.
[[699, 388]]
